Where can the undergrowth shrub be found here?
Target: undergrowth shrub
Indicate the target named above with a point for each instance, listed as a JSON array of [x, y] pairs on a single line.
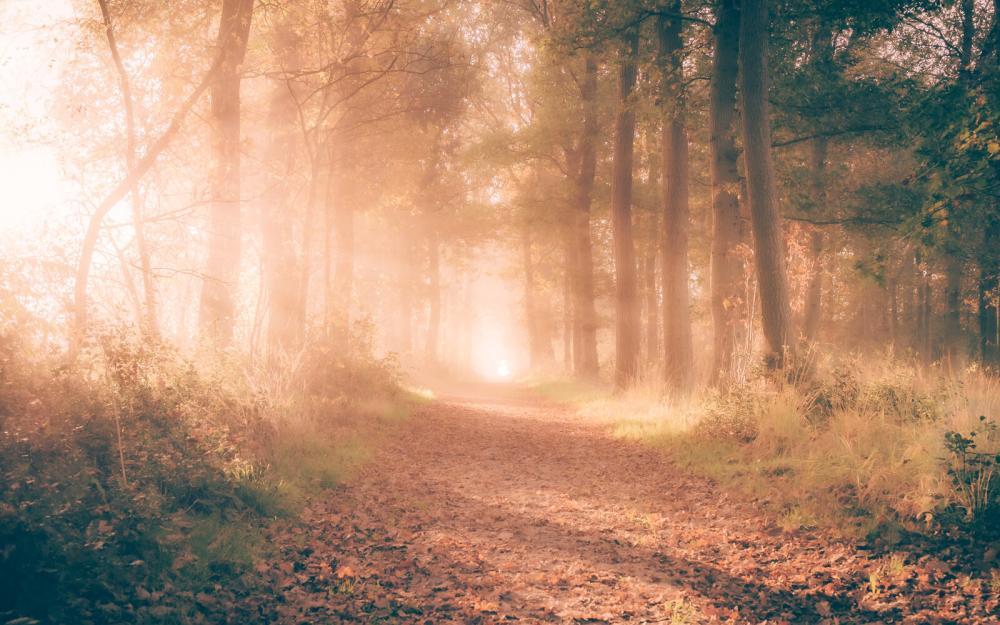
[[730, 416], [137, 480], [103, 468], [973, 464]]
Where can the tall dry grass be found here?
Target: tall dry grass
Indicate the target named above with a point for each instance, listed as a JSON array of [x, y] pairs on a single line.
[[860, 443]]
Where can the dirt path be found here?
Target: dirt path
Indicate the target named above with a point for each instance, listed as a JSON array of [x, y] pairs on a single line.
[[499, 509]]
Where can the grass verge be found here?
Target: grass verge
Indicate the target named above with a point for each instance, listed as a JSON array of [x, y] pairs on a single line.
[[873, 450]]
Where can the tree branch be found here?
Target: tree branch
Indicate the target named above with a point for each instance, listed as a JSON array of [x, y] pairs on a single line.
[[132, 178]]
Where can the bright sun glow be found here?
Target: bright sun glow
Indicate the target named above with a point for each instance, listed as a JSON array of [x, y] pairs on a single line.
[[503, 369], [32, 42], [33, 186]]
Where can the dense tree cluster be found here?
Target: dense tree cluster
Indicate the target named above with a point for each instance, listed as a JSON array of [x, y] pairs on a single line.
[[658, 176]]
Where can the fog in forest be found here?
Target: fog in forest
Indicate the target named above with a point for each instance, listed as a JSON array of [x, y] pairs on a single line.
[[264, 262]]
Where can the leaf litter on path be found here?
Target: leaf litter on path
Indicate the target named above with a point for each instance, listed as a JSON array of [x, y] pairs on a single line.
[[522, 512]]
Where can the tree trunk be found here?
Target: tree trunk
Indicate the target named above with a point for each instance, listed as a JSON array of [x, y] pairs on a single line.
[[924, 308], [343, 274], [405, 279], [911, 315], [530, 313], [989, 257], [280, 264], [652, 300], [585, 313], [953, 349], [218, 308], [329, 206], [148, 312], [433, 293], [989, 291], [650, 261], [678, 351], [769, 249], [305, 257], [281, 277], [727, 266], [953, 311], [927, 311], [897, 283], [569, 272], [130, 288], [626, 293], [893, 289], [814, 294]]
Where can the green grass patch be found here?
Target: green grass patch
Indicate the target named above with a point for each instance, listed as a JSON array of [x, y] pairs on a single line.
[[220, 546], [317, 461]]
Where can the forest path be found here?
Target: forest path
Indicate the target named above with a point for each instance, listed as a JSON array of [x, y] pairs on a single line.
[[492, 507]]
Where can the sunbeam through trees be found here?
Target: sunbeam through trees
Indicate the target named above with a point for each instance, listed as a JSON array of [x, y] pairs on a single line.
[[494, 311]]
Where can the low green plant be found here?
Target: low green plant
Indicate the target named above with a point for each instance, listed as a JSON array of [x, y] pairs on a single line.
[[973, 472], [315, 459], [217, 545]]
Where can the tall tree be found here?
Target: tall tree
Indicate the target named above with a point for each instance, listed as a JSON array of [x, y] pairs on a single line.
[[218, 308], [341, 197], [141, 168], [989, 256], [769, 248], [814, 293], [727, 266], [530, 313], [955, 250], [677, 348], [282, 269], [989, 291], [626, 292], [433, 293], [648, 269], [583, 170]]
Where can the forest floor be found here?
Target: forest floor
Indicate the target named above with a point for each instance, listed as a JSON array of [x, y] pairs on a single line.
[[490, 506]]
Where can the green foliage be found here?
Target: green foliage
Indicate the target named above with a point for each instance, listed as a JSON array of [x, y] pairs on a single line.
[[311, 457], [972, 471]]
